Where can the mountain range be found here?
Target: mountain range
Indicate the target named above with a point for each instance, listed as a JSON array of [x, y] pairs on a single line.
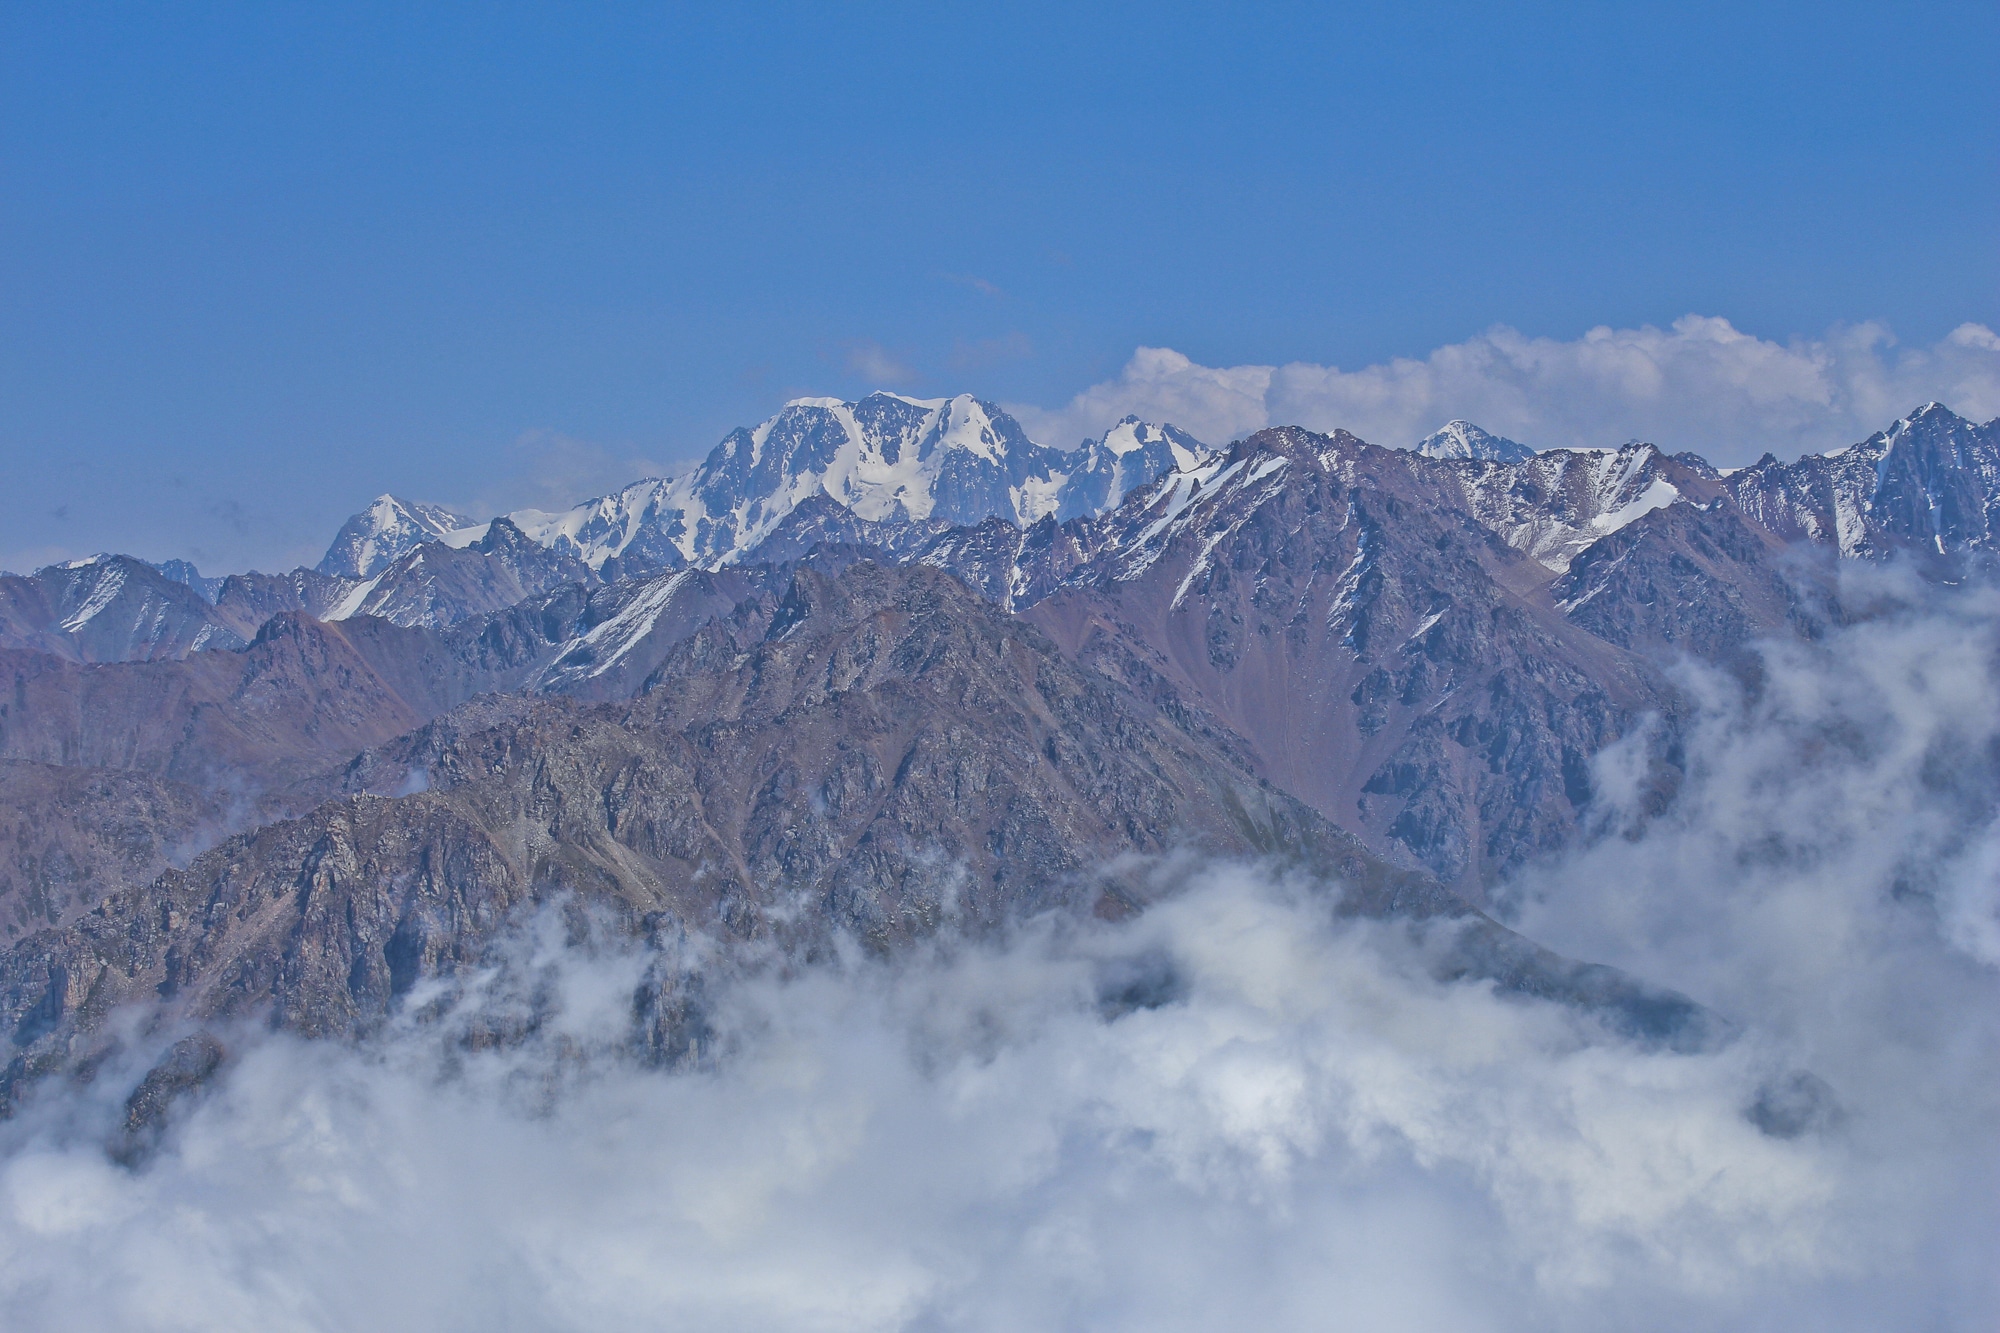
[[877, 668]]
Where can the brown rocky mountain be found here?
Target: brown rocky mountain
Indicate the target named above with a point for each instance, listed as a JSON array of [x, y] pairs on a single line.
[[878, 750], [1391, 665], [307, 695], [1388, 659], [304, 695]]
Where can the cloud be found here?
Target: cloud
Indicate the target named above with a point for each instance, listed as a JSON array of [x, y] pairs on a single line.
[[31, 558], [1701, 384], [1304, 1127], [875, 363], [1015, 346], [548, 470], [978, 284]]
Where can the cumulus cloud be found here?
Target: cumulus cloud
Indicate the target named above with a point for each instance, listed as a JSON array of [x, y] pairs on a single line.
[[1236, 1110], [1701, 384]]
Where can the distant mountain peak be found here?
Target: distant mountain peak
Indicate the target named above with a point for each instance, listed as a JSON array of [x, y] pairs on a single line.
[[1461, 439], [886, 458], [388, 529]]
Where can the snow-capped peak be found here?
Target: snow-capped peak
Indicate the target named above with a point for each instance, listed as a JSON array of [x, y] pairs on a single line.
[[1461, 439], [1132, 434], [383, 533], [888, 458]]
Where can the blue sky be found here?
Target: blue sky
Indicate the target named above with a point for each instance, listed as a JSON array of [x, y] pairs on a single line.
[[260, 263]]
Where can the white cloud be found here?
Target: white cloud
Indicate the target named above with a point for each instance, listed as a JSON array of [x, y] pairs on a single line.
[[1701, 384]]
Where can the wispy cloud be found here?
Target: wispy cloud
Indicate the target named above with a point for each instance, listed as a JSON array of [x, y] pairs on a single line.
[[546, 469], [1700, 384], [875, 363], [974, 281], [978, 355]]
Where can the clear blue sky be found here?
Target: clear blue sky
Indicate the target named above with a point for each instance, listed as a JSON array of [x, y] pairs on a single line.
[[259, 263]]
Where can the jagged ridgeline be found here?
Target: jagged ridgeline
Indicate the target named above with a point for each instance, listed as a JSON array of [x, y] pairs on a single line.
[[877, 669]]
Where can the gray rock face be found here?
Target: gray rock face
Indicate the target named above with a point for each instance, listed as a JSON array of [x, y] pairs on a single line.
[[72, 836], [1699, 580]]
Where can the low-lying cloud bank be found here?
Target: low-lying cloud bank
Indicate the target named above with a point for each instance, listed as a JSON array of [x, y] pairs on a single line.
[[1236, 1111], [1701, 384]]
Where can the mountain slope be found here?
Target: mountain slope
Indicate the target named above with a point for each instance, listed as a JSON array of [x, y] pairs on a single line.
[[303, 696], [72, 836], [1385, 656], [1556, 503], [437, 584], [878, 751]]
